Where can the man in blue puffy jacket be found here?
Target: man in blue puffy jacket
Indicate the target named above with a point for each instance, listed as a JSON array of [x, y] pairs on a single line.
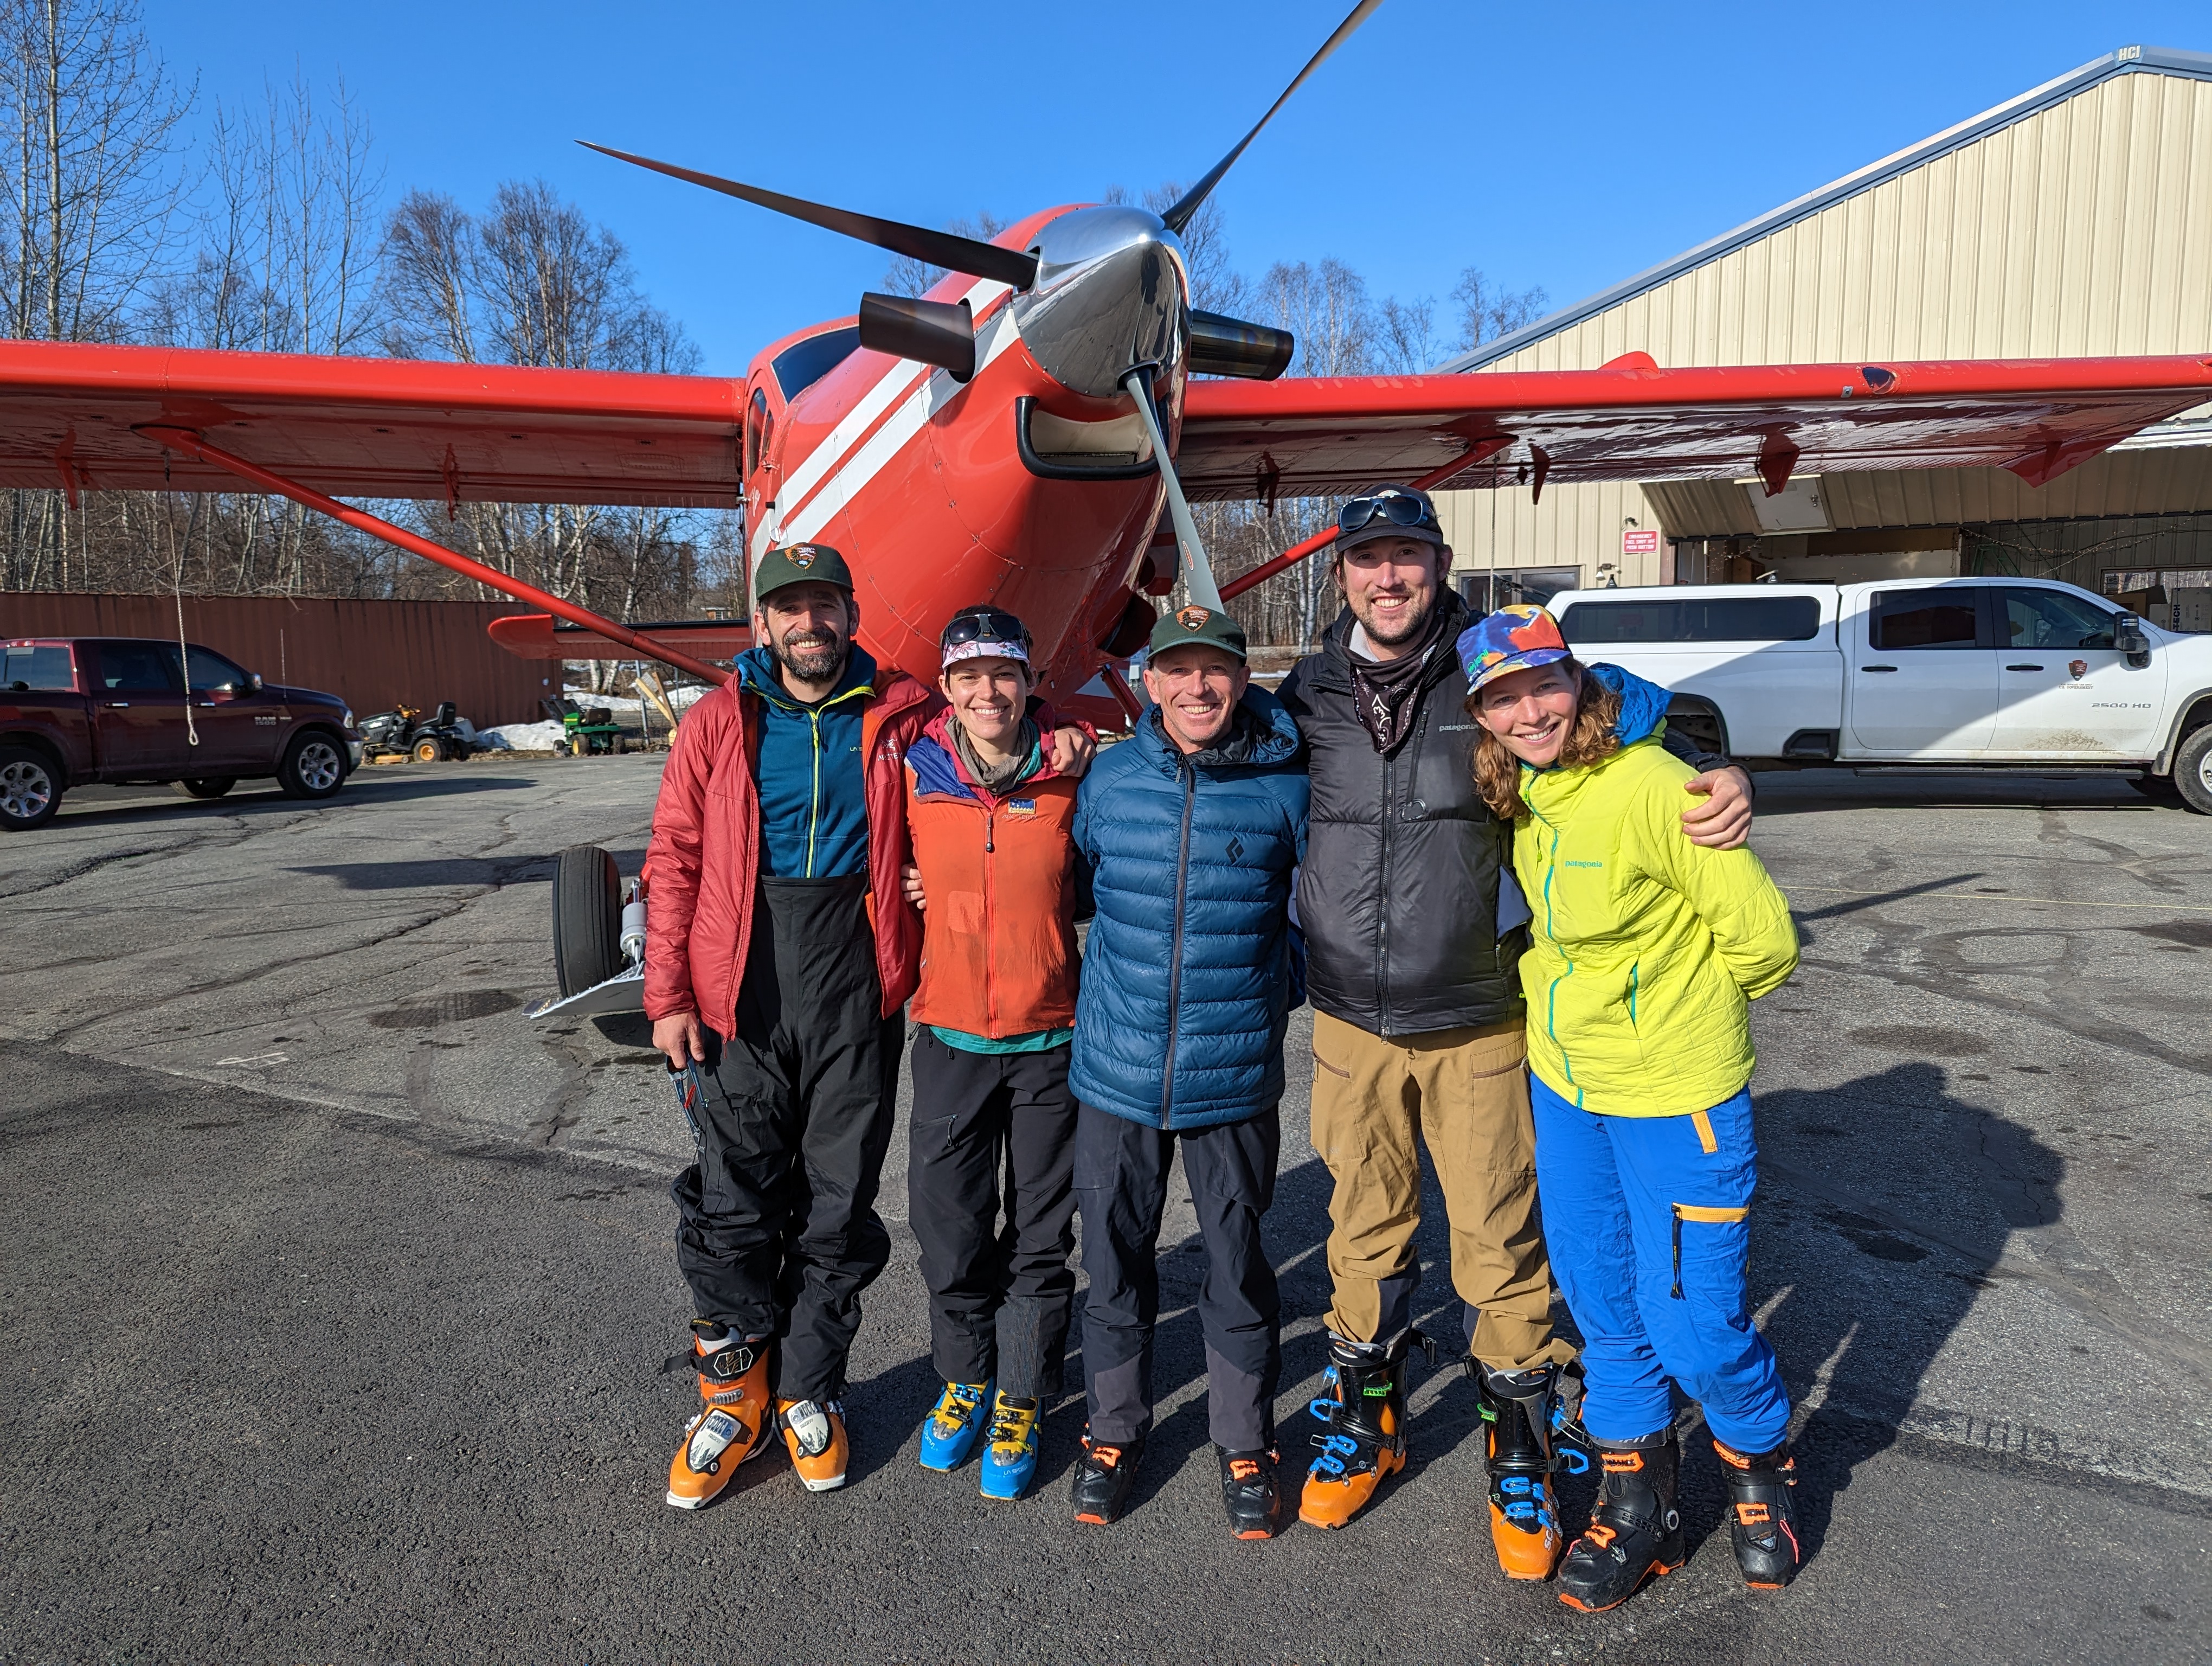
[[1194, 829]]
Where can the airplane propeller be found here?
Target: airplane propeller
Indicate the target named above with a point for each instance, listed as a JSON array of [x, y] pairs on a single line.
[[943, 335], [936, 248]]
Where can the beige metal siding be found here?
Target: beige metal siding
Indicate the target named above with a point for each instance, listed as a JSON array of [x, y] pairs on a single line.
[[2084, 230], [1573, 527]]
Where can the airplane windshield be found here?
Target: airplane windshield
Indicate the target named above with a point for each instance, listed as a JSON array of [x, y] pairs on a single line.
[[803, 364]]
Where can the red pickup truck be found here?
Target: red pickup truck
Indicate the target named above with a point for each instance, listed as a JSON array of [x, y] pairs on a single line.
[[80, 709]]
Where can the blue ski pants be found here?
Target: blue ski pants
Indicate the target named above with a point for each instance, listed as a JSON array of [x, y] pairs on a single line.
[[1646, 1220]]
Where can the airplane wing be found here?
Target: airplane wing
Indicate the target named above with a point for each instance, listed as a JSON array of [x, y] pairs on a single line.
[[367, 428], [1633, 421]]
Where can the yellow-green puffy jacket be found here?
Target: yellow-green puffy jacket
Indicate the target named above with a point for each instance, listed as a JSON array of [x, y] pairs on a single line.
[[1645, 950]]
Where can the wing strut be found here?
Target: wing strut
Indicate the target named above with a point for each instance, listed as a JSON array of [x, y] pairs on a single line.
[[185, 440], [1321, 540]]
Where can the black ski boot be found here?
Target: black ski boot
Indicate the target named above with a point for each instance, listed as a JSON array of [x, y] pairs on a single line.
[[1252, 1492], [1524, 1418], [1363, 1405], [1635, 1529], [1103, 1477], [1763, 1523]]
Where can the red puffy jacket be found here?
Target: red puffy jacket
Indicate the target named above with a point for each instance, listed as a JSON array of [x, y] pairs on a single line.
[[703, 864]]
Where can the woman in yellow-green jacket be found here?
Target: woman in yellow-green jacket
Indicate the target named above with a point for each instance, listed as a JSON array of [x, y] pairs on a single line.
[[1644, 953]]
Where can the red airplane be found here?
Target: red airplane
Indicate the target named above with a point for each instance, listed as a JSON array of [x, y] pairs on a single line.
[[1013, 436]]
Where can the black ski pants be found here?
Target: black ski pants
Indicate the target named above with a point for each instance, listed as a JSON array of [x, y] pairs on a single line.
[[777, 1231], [995, 1132], [1121, 1185]]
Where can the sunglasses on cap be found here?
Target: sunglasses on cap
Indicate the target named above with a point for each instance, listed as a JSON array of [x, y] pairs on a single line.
[[1399, 508], [983, 624]]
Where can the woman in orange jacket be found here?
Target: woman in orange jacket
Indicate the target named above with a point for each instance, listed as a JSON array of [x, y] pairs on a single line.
[[990, 820]]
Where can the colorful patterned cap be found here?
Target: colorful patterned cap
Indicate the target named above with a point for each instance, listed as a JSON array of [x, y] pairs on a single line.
[[1515, 638]]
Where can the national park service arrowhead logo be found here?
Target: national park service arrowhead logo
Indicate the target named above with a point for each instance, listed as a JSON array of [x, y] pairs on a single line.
[[1193, 619], [802, 555], [2077, 669]]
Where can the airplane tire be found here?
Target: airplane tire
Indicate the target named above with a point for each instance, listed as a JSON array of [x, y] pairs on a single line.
[[2193, 771], [586, 918]]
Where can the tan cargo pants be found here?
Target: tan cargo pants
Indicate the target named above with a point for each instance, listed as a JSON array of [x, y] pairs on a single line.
[[1464, 1093]]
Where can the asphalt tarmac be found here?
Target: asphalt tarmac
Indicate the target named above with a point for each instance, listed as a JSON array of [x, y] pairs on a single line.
[[341, 1301]]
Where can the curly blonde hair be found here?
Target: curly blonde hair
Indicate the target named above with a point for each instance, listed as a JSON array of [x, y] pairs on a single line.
[[1498, 772]]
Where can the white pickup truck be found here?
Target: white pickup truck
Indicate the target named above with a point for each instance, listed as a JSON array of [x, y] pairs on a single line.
[[1980, 672]]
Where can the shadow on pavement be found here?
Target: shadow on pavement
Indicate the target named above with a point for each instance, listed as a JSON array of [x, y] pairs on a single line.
[[1866, 1302], [80, 807], [451, 870]]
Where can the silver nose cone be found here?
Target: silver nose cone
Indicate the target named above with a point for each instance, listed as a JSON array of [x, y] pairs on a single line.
[[1111, 293]]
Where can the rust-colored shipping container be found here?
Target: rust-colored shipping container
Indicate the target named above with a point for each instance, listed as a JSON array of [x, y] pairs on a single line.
[[373, 654]]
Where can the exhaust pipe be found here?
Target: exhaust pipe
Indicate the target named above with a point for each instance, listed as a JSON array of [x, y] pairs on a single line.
[[930, 331]]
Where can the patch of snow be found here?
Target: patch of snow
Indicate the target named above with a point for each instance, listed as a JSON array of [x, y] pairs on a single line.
[[544, 736]]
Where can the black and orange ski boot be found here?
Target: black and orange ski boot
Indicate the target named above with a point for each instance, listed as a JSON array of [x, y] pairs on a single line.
[[1524, 1419], [1635, 1530], [1104, 1477], [1362, 1404], [1763, 1519], [734, 1424], [1252, 1492]]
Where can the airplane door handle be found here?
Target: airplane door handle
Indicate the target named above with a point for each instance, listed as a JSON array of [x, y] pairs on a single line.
[[2023, 668], [1877, 668]]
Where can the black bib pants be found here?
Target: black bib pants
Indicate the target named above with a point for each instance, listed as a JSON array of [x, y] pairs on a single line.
[[778, 1232]]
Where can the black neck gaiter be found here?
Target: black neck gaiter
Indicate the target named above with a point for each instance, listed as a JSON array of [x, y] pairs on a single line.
[[1383, 689]]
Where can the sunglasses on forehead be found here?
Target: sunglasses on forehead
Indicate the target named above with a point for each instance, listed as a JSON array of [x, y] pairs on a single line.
[[983, 624], [1399, 508]]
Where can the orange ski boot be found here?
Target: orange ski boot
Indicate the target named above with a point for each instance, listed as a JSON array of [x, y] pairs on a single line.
[[1519, 1415], [734, 1425], [814, 1430], [1363, 1404]]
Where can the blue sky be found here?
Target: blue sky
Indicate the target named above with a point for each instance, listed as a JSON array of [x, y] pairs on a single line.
[[1567, 146]]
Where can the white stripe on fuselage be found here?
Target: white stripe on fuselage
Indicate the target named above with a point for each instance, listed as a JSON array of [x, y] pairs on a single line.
[[925, 395]]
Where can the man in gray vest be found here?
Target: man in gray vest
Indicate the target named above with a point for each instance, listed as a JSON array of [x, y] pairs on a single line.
[[1414, 935]]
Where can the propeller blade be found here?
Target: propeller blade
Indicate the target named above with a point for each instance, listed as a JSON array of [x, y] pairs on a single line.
[[1192, 200], [936, 248]]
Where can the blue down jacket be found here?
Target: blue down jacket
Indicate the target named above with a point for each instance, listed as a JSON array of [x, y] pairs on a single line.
[[1186, 977]]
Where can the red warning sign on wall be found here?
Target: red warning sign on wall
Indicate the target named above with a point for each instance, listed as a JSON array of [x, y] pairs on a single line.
[[1640, 544]]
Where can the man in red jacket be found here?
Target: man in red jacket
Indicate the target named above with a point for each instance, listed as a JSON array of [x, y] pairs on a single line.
[[779, 953]]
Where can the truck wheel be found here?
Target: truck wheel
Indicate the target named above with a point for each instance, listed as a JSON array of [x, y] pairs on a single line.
[[209, 787], [2193, 771], [30, 791], [313, 767], [586, 918], [429, 752]]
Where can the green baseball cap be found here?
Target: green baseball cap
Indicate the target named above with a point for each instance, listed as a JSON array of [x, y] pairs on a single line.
[[1198, 624], [796, 563]]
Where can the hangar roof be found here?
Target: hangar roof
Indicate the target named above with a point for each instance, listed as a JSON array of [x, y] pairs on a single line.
[[2128, 60]]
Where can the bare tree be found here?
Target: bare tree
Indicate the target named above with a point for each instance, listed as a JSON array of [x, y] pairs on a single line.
[[1405, 336], [85, 206], [907, 275], [1487, 312]]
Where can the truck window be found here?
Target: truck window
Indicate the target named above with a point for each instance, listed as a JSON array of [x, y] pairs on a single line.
[[2050, 618], [1911, 620], [206, 670], [138, 667], [1699, 619], [38, 666]]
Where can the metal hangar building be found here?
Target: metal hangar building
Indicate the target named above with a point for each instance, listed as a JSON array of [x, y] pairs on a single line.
[[2073, 221]]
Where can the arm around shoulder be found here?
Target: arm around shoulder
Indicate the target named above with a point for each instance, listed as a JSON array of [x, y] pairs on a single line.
[[1730, 890]]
